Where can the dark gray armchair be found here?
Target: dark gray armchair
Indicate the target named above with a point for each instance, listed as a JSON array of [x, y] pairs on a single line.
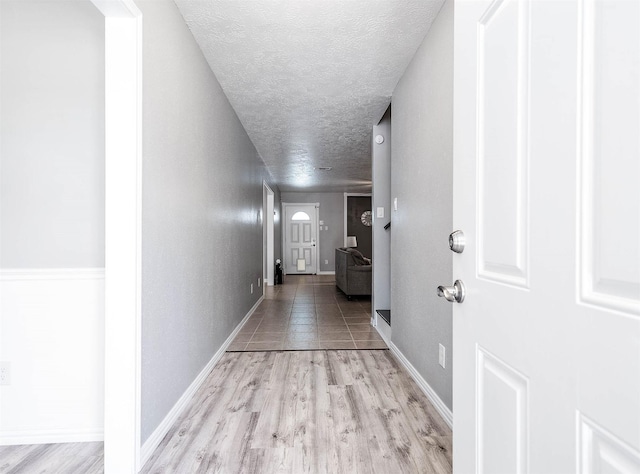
[[353, 274]]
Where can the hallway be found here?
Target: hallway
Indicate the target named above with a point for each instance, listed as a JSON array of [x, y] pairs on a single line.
[[286, 412], [308, 312], [275, 403], [263, 409]]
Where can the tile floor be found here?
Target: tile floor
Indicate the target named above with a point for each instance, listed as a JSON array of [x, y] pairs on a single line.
[[308, 312]]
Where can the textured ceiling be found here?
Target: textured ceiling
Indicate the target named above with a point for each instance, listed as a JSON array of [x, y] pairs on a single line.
[[309, 78]]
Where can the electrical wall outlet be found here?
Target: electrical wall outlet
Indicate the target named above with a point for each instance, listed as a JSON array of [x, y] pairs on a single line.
[[326, 262], [442, 355], [5, 373], [251, 288]]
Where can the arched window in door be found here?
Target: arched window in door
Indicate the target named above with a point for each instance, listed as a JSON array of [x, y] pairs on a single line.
[[300, 216]]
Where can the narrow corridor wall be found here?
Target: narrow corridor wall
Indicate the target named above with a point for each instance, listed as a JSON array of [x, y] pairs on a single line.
[[201, 213]]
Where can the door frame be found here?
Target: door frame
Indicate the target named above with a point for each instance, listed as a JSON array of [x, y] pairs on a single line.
[[268, 265], [123, 224], [316, 215], [344, 213]]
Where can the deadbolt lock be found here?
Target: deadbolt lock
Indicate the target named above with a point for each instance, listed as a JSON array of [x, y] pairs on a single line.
[[456, 241]]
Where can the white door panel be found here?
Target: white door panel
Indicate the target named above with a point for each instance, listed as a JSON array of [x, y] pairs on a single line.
[[503, 157], [609, 146], [547, 191]]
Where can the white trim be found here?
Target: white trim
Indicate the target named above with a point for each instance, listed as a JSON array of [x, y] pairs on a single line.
[[14, 274], [161, 431], [433, 397], [117, 8], [268, 235], [12, 438], [383, 328], [327, 272], [123, 223]]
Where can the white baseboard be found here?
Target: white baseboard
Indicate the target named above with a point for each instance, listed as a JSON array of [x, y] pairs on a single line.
[[8, 438], [161, 431], [382, 327], [326, 272], [433, 397]]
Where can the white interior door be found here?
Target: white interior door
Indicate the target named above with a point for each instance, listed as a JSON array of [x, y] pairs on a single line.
[[547, 192], [301, 224]]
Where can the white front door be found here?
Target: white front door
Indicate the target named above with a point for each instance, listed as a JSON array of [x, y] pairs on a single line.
[[301, 224], [547, 192]]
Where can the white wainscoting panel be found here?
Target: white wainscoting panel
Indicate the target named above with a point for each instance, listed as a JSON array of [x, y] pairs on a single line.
[[52, 333]]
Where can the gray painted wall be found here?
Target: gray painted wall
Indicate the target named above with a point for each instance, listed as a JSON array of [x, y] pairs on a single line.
[[201, 221], [381, 197], [422, 180], [51, 135], [332, 213]]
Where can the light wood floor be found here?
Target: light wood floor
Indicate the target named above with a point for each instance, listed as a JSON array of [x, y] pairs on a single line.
[[307, 412], [284, 412], [64, 458], [308, 312]]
